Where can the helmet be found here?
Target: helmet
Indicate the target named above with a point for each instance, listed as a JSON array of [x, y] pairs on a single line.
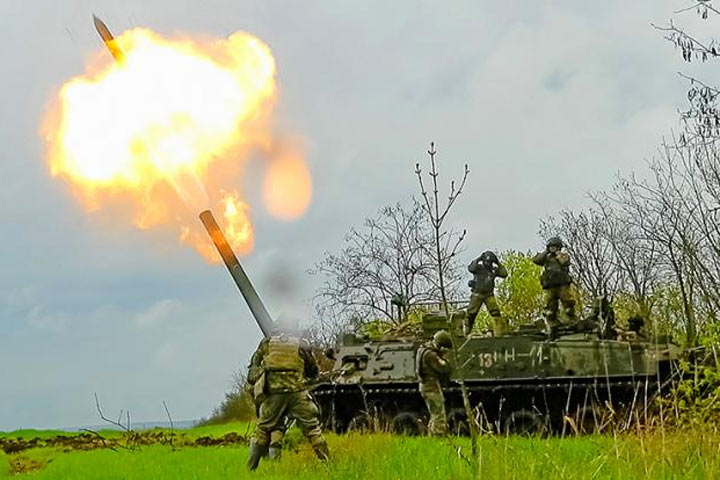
[[636, 323], [489, 256], [555, 242], [442, 339]]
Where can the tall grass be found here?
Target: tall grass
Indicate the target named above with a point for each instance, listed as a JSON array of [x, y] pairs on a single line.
[[649, 454]]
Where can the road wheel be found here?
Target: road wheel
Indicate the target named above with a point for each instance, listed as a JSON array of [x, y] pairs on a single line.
[[457, 422], [361, 423], [408, 423]]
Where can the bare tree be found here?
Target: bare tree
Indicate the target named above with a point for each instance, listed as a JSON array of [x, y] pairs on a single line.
[[449, 240], [658, 209], [632, 253], [390, 260], [446, 242], [697, 150]]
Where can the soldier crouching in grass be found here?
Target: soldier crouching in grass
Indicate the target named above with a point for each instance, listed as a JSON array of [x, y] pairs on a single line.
[[285, 363], [433, 370]]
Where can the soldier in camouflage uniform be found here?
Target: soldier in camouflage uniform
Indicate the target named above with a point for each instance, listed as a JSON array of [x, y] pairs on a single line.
[[636, 330], [601, 318], [279, 369], [433, 370], [556, 282], [485, 269], [278, 435]]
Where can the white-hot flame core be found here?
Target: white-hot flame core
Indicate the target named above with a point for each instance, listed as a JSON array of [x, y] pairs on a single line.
[[166, 131]]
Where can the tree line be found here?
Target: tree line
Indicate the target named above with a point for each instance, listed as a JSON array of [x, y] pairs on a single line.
[[650, 241]]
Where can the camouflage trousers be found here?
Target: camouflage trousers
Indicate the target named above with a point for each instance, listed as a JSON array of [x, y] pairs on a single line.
[[277, 435], [435, 402], [298, 405], [477, 300], [562, 294]]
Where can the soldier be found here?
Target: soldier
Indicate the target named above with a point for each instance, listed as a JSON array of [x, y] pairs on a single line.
[[285, 362], [278, 435], [636, 329], [602, 318], [433, 370], [485, 269], [556, 282], [636, 323]]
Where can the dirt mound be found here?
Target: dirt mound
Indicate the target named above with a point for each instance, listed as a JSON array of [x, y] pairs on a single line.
[[231, 438], [128, 440]]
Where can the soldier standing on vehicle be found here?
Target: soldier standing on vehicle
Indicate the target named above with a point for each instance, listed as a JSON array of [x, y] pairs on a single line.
[[636, 329], [285, 362], [433, 370], [485, 269], [556, 281]]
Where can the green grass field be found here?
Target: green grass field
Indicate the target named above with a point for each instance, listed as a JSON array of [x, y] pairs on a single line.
[[683, 454]]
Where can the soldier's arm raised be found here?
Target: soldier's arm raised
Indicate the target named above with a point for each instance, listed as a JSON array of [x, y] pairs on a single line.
[[311, 366], [563, 258], [437, 363], [501, 271], [472, 268], [540, 258]]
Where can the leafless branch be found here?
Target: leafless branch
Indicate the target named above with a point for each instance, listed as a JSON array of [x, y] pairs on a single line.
[[172, 425], [112, 422]]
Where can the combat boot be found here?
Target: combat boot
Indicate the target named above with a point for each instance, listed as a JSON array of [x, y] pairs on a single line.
[[256, 453], [500, 327], [322, 451], [275, 452], [552, 328]]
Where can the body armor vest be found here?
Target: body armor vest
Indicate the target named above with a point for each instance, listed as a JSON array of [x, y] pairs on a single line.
[[284, 355], [555, 274], [484, 280]]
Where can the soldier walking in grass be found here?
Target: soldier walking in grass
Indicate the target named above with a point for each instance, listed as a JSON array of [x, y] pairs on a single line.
[[556, 282], [433, 370], [485, 269], [285, 363]]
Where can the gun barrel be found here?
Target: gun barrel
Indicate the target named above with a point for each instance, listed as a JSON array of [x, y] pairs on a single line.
[[262, 317]]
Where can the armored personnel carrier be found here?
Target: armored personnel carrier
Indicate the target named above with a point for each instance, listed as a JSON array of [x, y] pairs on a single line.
[[521, 382]]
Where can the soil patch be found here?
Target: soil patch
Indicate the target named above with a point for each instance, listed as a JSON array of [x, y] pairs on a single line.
[[20, 464], [129, 440]]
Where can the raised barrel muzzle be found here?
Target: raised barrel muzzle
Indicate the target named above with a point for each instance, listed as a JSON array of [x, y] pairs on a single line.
[[262, 317]]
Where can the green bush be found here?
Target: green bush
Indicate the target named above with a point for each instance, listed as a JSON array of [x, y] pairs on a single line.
[[695, 400], [238, 405]]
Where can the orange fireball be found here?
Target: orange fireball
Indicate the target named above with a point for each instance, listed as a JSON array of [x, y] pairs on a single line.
[[166, 131]]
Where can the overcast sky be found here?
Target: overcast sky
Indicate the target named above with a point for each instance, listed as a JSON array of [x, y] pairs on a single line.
[[544, 100]]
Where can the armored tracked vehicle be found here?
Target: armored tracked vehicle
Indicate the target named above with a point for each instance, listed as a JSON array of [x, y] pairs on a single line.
[[525, 381], [521, 382]]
